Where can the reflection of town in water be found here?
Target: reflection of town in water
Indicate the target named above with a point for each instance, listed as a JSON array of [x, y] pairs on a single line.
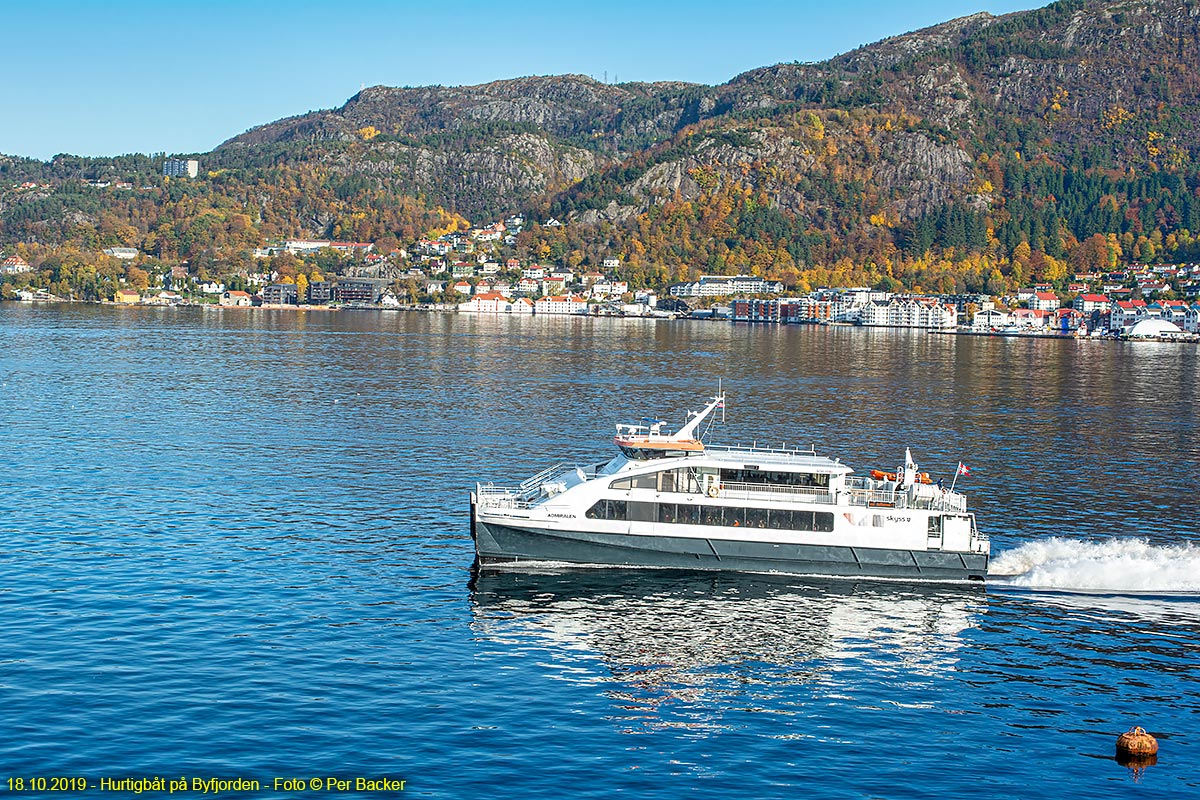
[[686, 650]]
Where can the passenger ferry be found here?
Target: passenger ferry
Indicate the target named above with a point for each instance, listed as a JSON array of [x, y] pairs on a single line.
[[670, 500]]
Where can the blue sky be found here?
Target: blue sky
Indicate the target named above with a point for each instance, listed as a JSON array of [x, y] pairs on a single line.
[[105, 78]]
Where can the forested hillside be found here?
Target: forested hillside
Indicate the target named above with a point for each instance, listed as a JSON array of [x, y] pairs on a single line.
[[978, 154]]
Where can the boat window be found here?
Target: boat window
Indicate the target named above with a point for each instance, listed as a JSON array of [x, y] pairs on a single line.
[[722, 516], [643, 512], [622, 483], [647, 453], [756, 518], [649, 481], [608, 509], [666, 480], [935, 523], [775, 478]]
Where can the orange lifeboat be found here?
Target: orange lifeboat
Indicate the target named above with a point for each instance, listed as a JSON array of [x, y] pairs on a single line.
[[880, 475]]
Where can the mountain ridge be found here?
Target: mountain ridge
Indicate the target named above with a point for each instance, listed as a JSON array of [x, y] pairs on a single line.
[[954, 145]]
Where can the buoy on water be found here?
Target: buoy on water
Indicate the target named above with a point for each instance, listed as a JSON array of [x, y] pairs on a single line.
[[1136, 742]]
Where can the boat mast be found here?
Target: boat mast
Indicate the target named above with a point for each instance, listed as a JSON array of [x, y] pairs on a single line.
[[688, 431]]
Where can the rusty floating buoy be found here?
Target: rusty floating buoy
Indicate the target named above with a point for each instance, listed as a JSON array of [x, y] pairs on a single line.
[[1136, 742]]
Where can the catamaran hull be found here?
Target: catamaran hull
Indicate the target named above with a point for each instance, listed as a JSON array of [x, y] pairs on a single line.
[[496, 543]]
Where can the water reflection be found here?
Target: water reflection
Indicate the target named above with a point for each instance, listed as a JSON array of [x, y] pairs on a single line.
[[682, 649]]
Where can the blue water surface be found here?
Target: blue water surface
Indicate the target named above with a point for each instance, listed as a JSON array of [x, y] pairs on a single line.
[[236, 544]]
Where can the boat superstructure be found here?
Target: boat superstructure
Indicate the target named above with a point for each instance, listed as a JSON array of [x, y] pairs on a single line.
[[671, 500]]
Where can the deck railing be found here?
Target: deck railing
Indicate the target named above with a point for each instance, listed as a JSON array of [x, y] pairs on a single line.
[[529, 491], [856, 492]]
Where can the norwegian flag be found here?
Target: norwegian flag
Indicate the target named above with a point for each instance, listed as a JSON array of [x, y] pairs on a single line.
[[963, 469]]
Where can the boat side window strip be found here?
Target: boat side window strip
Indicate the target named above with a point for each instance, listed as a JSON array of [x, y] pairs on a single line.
[[724, 516]]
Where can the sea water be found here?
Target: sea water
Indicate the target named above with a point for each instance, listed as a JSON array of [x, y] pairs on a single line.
[[236, 547]]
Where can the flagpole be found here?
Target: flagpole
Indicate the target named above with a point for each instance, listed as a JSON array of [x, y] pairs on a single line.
[[957, 472]]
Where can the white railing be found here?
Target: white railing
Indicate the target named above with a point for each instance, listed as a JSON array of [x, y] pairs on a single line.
[[746, 491], [787, 453], [530, 490]]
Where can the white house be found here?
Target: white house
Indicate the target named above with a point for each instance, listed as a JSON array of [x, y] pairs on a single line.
[[560, 304], [1044, 301], [496, 303]]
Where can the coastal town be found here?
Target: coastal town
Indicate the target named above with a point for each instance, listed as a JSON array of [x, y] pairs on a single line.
[[460, 271], [475, 270]]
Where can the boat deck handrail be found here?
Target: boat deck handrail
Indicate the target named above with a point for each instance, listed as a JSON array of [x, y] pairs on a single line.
[[858, 493]]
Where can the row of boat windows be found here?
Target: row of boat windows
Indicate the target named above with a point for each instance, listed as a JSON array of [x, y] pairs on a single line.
[[689, 480], [731, 516]]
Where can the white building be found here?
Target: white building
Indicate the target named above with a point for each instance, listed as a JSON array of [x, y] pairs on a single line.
[[297, 246], [124, 253], [181, 168], [1044, 301], [1125, 313], [1087, 303], [496, 303], [910, 312], [561, 304], [990, 318], [718, 285]]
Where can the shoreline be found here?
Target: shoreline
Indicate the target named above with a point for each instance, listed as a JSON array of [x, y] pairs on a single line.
[[1188, 338]]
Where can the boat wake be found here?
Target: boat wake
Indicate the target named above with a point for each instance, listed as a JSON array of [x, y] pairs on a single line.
[[1119, 566]]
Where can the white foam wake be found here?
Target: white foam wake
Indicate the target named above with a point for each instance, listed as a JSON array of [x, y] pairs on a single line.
[[1115, 565]]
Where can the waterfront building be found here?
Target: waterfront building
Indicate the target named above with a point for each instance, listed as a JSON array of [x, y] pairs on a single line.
[[1125, 313], [280, 294], [1174, 311], [1191, 321], [1031, 318], [127, 296], [237, 298], [782, 310], [320, 292], [496, 303], [989, 318], [910, 312], [355, 292], [560, 304]]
